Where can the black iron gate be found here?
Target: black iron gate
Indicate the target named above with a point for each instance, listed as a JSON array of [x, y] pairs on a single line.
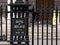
[[19, 23], [22, 32]]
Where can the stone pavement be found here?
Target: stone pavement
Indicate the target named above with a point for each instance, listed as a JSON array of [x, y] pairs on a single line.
[[35, 42]]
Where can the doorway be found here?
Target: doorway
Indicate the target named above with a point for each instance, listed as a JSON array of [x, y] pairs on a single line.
[[45, 4]]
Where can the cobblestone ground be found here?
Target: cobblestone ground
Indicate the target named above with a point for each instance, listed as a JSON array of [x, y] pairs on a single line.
[[35, 34]]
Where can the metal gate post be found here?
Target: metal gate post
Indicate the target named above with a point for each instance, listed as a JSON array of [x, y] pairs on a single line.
[[19, 34]]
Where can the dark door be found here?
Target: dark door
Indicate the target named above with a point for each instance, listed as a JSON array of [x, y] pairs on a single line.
[[45, 4]]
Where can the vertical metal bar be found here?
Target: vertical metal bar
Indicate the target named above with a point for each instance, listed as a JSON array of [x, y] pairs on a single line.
[[51, 27], [33, 27], [15, 12], [22, 12], [37, 16], [47, 26], [11, 1], [27, 15], [1, 22], [25, 29], [6, 22], [15, 18], [19, 14], [26, 0], [56, 24], [24, 24], [11, 37], [42, 24]]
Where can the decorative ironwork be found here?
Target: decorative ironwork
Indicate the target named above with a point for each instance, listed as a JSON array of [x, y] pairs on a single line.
[[19, 15]]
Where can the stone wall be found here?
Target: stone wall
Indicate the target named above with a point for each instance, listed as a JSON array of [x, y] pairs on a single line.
[[3, 3], [57, 3]]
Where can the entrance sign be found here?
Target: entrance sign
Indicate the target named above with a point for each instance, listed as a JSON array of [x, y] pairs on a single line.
[[18, 25]]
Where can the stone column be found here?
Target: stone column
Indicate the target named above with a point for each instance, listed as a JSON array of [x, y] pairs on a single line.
[[3, 3]]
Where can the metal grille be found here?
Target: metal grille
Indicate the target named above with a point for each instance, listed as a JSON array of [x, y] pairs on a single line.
[[24, 33]]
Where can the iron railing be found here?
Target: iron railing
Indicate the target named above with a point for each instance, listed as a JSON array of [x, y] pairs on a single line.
[[39, 27]]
